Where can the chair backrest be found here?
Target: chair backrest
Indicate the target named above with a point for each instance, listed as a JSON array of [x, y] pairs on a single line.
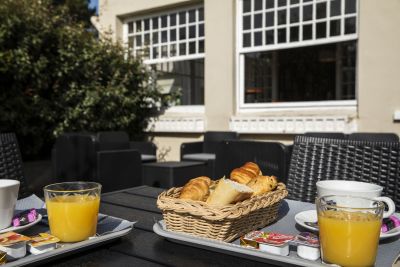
[[144, 147], [315, 159], [375, 137], [74, 157], [333, 135], [112, 140], [270, 157], [11, 166], [213, 138]]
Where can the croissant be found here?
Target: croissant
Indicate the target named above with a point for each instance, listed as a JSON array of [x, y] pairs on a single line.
[[263, 184], [196, 189], [245, 173]]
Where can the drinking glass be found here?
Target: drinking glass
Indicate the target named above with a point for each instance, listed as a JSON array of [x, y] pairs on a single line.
[[349, 229], [72, 208]]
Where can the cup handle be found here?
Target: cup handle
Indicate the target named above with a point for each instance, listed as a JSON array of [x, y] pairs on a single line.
[[391, 206]]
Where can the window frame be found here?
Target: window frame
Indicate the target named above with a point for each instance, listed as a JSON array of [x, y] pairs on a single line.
[[241, 106]]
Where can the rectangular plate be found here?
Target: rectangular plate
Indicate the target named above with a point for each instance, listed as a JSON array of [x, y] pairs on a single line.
[[69, 248], [232, 249]]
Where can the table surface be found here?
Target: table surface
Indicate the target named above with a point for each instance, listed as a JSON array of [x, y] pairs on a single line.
[[142, 246]]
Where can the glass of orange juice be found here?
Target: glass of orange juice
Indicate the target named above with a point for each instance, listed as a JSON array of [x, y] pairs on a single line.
[[72, 208], [349, 229]]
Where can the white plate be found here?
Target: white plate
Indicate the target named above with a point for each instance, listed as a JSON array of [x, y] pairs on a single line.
[[18, 229], [311, 216]]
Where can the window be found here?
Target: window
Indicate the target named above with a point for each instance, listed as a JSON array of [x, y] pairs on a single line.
[[297, 51], [172, 43]]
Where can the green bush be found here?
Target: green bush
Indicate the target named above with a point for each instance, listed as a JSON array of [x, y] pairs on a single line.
[[55, 76]]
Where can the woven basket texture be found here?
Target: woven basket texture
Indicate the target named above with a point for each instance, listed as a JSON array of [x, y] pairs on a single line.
[[221, 223], [315, 159]]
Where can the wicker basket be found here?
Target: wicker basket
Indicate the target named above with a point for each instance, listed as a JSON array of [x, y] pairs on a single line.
[[222, 223]]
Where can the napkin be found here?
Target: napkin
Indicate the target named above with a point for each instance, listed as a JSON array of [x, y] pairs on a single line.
[[105, 224]]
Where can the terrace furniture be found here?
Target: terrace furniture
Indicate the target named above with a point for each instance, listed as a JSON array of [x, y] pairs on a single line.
[[270, 156], [120, 140], [11, 162], [205, 151], [315, 159], [376, 137], [171, 173], [143, 247], [333, 135]]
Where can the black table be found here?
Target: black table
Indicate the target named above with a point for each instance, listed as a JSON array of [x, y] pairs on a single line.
[[171, 173], [142, 247]]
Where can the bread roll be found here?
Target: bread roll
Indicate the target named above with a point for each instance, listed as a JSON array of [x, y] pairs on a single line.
[[246, 173], [227, 192], [196, 189], [263, 184]]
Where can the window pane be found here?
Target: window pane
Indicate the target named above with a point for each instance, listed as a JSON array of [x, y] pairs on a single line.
[[139, 40], [172, 35], [182, 33], [269, 19], [182, 49], [182, 18], [269, 37], [130, 27], [269, 3], [335, 27], [282, 17], [164, 21], [146, 24], [192, 16], [147, 39], [192, 47], [201, 30], [246, 5], [164, 51], [307, 32], [192, 31], [294, 15], [293, 2], [281, 35], [201, 46], [321, 30], [312, 73], [155, 52], [201, 14], [321, 10], [350, 25], [257, 21], [172, 50], [172, 19], [281, 2], [155, 23], [294, 34], [246, 22], [335, 7], [246, 40], [185, 77], [257, 38], [307, 12], [155, 38], [164, 36], [138, 26], [350, 6], [258, 4]]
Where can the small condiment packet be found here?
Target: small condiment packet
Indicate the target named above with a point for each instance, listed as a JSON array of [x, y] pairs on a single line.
[[11, 238], [307, 246], [306, 239], [269, 238], [41, 243]]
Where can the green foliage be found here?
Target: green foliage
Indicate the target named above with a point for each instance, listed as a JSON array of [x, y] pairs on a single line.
[[55, 76]]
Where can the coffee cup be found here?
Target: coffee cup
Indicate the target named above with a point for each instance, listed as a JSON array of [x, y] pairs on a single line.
[[8, 199], [354, 188]]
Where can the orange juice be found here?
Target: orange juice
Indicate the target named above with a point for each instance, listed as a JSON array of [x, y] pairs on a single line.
[[349, 238], [73, 218]]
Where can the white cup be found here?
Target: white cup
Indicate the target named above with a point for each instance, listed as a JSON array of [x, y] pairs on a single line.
[[8, 198], [354, 188]]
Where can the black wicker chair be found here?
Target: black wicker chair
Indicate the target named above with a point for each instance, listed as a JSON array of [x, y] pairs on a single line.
[[376, 137], [315, 159], [11, 166]]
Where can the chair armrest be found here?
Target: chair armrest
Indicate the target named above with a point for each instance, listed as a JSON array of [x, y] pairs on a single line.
[[144, 147], [191, 148]]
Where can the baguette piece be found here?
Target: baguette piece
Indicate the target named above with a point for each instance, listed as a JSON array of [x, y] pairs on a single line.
[[263, 184], [227, 192], [196, 189]]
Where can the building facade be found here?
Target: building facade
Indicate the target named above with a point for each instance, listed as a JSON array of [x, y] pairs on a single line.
[[268, 69]]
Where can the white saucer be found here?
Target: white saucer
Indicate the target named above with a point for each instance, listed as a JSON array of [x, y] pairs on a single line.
[[311, 216], [18, 229]]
